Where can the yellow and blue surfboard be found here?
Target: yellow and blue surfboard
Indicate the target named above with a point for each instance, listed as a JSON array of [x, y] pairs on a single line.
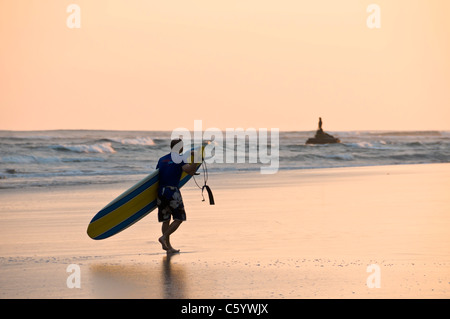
[[129, 207]]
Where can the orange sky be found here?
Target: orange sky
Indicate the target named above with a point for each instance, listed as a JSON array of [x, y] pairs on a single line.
[[159, 65]]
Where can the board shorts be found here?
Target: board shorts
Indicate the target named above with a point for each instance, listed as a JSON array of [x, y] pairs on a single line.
[[170, 203]]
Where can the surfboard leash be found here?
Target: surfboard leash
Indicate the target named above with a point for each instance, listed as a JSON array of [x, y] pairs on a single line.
[[205, 186]]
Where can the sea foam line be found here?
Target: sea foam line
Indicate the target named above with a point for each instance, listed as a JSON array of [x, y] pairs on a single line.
[[146, 141], [95, 148]]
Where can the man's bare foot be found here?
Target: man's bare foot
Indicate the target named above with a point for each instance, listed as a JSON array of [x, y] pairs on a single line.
[[173, 251], [162, 240]]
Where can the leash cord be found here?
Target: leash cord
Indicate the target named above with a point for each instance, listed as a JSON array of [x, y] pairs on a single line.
[[205, 186]]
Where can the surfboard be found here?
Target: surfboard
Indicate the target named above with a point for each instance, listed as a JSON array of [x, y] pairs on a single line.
[[128, 208]]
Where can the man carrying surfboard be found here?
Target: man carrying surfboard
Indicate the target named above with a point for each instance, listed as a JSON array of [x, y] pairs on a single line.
[[169, 200]]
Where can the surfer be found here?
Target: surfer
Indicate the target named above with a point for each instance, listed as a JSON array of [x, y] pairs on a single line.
[[169, 200]]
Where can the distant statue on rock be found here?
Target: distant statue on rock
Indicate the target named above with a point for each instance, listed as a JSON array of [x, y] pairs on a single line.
[[321, 137]]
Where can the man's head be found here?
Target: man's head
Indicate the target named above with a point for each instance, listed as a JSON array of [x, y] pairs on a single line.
[[176, 145]]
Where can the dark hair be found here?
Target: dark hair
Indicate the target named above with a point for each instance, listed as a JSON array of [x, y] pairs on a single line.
[[175, 142]]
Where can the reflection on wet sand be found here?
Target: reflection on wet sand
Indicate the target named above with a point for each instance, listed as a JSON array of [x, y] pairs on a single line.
[[174, 279], [158, 280]]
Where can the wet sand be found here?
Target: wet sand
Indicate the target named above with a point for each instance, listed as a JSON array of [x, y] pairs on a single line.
[[295, 234]]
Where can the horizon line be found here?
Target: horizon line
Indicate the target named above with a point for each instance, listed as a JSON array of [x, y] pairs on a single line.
[[280, 130]]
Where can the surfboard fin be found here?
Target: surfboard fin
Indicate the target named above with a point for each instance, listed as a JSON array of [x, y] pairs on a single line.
[[210, 194]]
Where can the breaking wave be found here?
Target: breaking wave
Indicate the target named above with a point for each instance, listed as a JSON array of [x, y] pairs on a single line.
[[43, 158], [95, 148], [145, 141]]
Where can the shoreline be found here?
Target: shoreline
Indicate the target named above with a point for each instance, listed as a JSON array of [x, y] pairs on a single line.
[[296, 234], [132, 179]]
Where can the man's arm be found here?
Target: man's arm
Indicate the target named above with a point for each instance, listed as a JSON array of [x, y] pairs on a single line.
[[190, 168]]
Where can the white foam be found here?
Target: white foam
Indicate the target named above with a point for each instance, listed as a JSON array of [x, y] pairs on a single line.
[[369, 145], [134, 141], [95, 148]]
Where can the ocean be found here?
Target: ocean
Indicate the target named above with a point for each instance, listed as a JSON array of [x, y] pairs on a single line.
[[83, 157]]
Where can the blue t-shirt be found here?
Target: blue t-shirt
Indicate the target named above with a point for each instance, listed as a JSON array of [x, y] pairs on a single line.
[[169, 171]]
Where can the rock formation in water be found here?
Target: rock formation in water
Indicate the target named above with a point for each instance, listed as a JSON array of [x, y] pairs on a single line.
[[322, 137]]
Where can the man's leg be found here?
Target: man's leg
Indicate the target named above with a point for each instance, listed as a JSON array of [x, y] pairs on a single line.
[[167, 230], [164, 227]]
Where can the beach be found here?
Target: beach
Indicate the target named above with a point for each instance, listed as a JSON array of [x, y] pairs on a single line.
[[311, 233]]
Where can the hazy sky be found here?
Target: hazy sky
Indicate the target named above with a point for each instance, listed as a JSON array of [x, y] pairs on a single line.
[[159, 65]]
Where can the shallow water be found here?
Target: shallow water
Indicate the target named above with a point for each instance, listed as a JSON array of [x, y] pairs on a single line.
[[58, 158]]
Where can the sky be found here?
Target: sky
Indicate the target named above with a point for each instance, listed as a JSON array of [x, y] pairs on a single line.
[[160, 65]]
